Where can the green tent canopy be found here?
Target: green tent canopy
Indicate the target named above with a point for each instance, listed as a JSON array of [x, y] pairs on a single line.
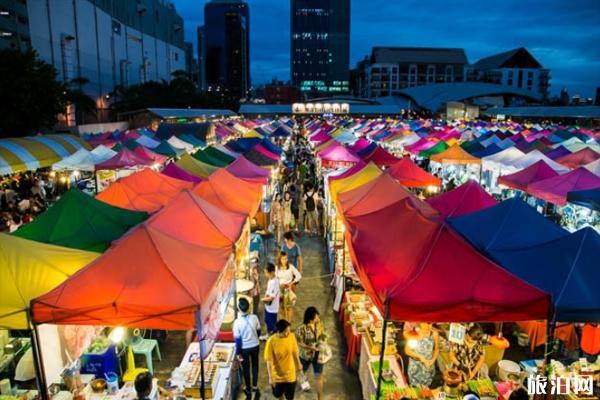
[[165, 149], [218, 154], [192, 166], [438, 148], [209, 159], [81, 222]]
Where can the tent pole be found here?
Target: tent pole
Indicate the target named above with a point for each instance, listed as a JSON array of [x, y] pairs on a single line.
[[38, 363], [200, 346], [386, 314], [550, 325]]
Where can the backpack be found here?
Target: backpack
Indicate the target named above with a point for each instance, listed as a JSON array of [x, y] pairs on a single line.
[[310, 202]]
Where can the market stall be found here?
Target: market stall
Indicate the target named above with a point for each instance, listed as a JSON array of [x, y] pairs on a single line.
[[464, 199]]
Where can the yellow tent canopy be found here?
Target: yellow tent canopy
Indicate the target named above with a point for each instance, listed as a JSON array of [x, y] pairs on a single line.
[[368, 173], [195, 167], [455, 155], [30, 269], [324, 145]]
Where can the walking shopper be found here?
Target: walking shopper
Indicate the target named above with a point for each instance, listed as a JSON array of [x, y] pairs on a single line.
[[277, 217], [311, 198], [281, 355], [288, 277], [271, 300], [291, 248], [288, 216], [246, 331], [309, 335]]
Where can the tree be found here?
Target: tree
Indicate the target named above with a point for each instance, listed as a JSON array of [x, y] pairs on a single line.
[[31, 95], [83, 103]]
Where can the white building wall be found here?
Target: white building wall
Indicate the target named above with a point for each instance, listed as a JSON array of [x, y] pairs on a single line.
[[120, 60]]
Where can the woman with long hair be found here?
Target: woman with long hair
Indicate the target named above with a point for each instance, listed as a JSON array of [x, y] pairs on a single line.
[[277, 217], [286, 206], [309, 335], [288, 276]]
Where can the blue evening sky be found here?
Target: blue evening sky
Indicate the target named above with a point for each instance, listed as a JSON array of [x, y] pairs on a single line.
[[564, 35]]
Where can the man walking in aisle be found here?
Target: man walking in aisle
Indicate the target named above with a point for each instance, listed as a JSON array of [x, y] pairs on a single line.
[[271, 301], [281, 355]]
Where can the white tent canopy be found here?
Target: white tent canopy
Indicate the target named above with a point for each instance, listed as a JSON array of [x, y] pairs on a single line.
[[535, 156], [594, 167], [505, 160], [180, 144], [84, 160]]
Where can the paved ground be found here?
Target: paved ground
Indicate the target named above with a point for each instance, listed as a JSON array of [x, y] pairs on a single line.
[[340, 382]]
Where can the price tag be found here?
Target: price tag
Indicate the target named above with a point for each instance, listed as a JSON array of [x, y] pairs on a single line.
[[457, 333]]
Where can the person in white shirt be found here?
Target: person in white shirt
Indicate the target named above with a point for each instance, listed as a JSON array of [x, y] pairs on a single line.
[[288, 276], [271, 300], [246, 332]]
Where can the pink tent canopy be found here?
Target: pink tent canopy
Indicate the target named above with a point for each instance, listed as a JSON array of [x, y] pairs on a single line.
[[144, 152], [320, 137], [521, 179], [359, 145], [422, 144], [336, 154], [554, 190], [579, 158], [125, 158], [465, 199], [381, 157], [247, 170], [349, 172], [174, 171], [261, 149]]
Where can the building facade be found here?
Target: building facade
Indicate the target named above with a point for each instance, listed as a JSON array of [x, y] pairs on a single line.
[[516, 68], [108, 42], [14, 25], [278, 92], [226, 46], [391, 69], [320, 46], [201, 59]]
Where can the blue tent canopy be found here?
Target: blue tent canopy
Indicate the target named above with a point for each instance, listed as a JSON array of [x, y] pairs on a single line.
[[267, 144], [488, 151], [567, 268], [280, 132], [507, 225], [243, 144], [587, 198]]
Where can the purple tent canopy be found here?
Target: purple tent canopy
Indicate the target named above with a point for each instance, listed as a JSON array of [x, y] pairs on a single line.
[[174, 171], [245, 169], [359, 145], [534, 173], [554, 190], [124, 159], [337, 154], [560, 151]]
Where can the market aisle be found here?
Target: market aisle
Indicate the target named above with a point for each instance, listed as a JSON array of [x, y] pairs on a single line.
[[314, 290]]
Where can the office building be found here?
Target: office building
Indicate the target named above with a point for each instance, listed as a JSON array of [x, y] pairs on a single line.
[[516, 68], [108, 42], [278, 92], [14, 25], [391, 69], [201, 59], [226, 46], [320, 46]]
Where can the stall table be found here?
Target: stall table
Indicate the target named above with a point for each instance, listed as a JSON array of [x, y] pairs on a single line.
[[367, 380]]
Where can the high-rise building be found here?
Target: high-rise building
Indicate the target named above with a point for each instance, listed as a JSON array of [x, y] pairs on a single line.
[[320, 46], [597, 100], [226, 46], [14, 25], [201, 59], [109, 43]]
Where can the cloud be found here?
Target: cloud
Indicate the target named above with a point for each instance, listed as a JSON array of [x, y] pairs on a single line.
[[563, 35]]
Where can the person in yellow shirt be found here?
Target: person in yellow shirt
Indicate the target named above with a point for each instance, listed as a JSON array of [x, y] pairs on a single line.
[[283, 362]]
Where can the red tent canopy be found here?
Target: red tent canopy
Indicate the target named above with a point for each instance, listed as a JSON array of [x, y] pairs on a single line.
[[465, 199], [144, 152], [377, 194], [195, 220], [381, 157], [579, 158], [554, 190], [125, 158], [411, 175], [264, 151], [247, 170], [145, 190], [148, 279], [427, 272], [521, 179], [231, 193]]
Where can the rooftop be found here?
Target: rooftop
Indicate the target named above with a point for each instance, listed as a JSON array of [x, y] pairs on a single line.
[[190, 112], [547, 112], [520, 58], [389, 55]]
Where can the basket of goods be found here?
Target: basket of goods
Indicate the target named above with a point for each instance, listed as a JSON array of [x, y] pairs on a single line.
[[452, 377], [98, 385]]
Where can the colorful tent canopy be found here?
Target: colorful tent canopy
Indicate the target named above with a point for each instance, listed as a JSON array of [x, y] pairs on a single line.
[[434, 275], [579, 158], [344, 173], [209, 159], [336, 154], [145, 190], [260, 159], [195, 167], [364, 175], [377, 194], [454, 155], [193, 140], [29, 269], [166, 149], [219, 155], [125, 158], [535, 172], [144, 152], [594, 167], [84, 160], [567, 268], [174, 171], [180, 144], [196, 220], [244, 169], [465, 199], [81, 222], [437, 148], [226, 150], [267, 144], [587, 198], [243, 144], [33, 152], [509, 224], [267, 153], [359, 145], [504, 160], [410, 174], [381, 157], [554, 190], [231, 193], [148, 142], [150, 279], [558, 152]]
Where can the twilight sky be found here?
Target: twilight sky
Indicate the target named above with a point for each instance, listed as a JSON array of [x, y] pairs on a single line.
[[564, 35]]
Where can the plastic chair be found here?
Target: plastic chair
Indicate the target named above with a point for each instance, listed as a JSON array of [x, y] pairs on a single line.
[[146, 347]]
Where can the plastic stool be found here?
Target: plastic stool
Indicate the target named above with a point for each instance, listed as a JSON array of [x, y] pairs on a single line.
[[146, 347]]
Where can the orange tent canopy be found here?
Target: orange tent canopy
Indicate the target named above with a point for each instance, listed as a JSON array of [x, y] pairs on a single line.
[[149, 279], [455, 155], [376, 194], [145, 190], [198, 221], [411, 175], [231, 193]]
